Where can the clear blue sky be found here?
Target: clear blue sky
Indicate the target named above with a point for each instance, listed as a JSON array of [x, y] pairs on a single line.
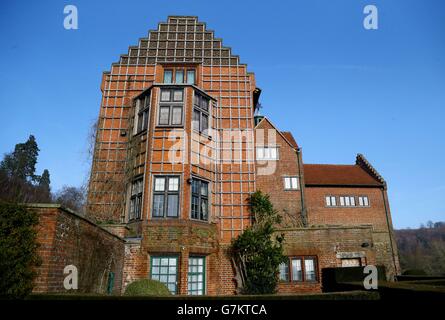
[[339, 88]]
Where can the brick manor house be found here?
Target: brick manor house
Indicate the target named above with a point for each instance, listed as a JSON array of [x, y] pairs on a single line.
[[180, 147]]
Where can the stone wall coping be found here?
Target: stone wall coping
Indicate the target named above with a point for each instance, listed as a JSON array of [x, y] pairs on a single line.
[[70, 212], [312, 228]]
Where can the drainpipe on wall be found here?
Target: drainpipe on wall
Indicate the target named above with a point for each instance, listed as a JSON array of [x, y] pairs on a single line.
[[303, 208]]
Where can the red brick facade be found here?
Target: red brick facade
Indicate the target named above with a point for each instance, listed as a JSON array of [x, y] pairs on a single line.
[[134, 144]]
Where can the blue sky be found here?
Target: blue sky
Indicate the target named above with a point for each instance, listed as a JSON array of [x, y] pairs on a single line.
[[339, 88]]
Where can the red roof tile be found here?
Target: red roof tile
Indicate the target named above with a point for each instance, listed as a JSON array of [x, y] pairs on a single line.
[[338, 175]]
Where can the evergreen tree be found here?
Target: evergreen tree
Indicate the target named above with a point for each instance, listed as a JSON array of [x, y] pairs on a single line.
[[21, 163]]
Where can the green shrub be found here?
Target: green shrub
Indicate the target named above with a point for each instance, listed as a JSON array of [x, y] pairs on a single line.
[[414, 272], [18, 250], [147, 287], [256, 253]]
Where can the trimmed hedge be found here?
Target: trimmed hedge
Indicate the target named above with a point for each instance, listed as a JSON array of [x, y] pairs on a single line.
[[147, 287]]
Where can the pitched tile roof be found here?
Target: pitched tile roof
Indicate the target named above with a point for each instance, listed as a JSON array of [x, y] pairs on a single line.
[[290, 138], [339, 175]]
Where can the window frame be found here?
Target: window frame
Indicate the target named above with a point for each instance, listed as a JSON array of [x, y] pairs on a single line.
[[200, 198], [291, 188], [176, 257], [165, 193], [330, 205], [171, 104], [132, 215], [185, 75], [263, 148], [198, 107], [204, 272], [303, 269], [345, 201], [361, 199]]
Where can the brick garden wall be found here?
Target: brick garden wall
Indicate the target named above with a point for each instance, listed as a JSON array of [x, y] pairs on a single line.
[[66, 238]]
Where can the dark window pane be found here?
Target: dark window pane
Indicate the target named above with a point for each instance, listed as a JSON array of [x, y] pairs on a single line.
[[204, 209], [197, 100], [158, 205], [195, 121], [204, 104], [176, 115], [164, 114], [204, 188], [195, 207], [168, 76], [172, 206], [204, 123]]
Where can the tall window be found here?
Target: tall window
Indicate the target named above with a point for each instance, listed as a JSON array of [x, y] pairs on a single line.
[[291, 183], [165, 270], [143, 106], [196, 276], [363, 201], [136, 199], [267, 153], [180, 76], [200, 200], [171, 107], [201, 114], [166, 197], [302, 269], [331, 201], [347, 201]]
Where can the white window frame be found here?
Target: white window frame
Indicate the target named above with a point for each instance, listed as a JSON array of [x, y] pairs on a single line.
[[267, 153]]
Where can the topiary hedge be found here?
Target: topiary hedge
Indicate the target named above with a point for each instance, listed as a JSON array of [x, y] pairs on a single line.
[[147, 287], [18, 250]]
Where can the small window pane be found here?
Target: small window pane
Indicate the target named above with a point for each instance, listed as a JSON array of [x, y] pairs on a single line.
[[342, 201], [159, 184], [173, 184], [164, 114], [191, 76], [179, 76], [177, 96], [365, 201], [347, 201], [204, 209], [352, 201], [296, 270], [172, 206], [168, 76], [204, 188], [328, 201], [260, 153], [284, 271], [273, 153], [158, 205], [204, 104], [287, 183], [294, 181], [360, 201], [309, 269], [165, 95], [176, 115], [195, 121], [204, 123]]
